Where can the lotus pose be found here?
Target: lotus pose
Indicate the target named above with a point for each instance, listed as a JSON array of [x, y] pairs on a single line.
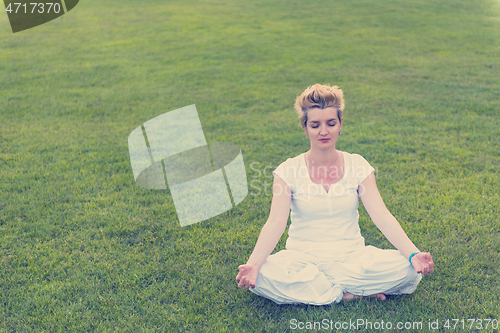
[[326, 259]]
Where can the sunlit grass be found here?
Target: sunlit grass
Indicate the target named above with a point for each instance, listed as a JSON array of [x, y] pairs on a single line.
[[82, 248]]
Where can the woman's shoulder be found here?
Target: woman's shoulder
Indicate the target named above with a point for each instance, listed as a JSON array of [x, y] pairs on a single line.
[[290, 168], [358, 168], [354, 157]]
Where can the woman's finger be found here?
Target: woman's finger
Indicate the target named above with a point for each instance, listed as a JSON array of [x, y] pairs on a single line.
[[431, 267], [241, 273], [239, 276]]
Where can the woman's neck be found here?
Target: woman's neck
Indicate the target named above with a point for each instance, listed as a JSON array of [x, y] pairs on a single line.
[[323, 157]]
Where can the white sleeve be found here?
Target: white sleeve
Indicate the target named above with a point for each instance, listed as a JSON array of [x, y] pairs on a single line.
[[362, 168], [286, 171]]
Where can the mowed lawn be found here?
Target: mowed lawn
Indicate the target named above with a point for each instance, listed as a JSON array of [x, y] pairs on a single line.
[[83, 248]]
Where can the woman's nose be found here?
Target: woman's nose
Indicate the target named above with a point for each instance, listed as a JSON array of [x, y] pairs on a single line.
[[323, 129]]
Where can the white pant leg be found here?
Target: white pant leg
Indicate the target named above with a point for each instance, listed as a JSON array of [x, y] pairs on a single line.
[[371, 271], [290, 277]]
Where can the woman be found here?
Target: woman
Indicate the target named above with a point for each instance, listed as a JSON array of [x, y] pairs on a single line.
[[326, 259]]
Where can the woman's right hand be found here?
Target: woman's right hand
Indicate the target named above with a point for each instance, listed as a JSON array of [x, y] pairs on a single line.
[[269, 235], [247, 276]]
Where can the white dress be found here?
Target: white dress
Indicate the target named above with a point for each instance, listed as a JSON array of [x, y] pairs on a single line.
[[325, 253]]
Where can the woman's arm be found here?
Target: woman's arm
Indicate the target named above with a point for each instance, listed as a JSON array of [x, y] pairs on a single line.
[[390, 227], [269, 235]]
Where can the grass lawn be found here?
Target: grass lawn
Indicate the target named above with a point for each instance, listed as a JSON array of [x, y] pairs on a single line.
[[82, 248]]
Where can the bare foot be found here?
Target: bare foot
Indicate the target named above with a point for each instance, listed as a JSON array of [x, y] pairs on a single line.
[[379, 296], [348, 296]]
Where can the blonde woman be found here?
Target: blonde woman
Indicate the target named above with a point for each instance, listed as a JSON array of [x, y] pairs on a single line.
[[326, 259]]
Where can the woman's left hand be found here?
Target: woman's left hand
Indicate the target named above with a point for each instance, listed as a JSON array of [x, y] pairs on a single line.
[[422, 262]]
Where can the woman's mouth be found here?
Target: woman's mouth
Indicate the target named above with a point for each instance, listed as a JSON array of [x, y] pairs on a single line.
[[324, 140]]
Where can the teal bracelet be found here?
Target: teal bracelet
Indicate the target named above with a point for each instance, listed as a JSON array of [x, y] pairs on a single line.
[[411, 256]]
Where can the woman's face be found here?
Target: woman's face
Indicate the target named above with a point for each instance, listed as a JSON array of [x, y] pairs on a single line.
[[323, 127]]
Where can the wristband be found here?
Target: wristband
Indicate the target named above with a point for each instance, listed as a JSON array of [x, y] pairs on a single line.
[[411, 256]]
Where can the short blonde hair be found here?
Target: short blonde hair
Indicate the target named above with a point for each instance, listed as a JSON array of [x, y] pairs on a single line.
[[319, 96]]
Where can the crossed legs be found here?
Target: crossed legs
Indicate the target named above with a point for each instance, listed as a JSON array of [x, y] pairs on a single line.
[[291, 277]]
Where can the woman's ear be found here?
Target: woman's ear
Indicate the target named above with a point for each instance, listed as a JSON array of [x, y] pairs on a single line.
[[305, 131]]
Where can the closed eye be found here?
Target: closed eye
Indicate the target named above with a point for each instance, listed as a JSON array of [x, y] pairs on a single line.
[[316, 126]]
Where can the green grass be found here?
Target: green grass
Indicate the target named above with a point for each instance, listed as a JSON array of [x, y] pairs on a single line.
[[82, 248]]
